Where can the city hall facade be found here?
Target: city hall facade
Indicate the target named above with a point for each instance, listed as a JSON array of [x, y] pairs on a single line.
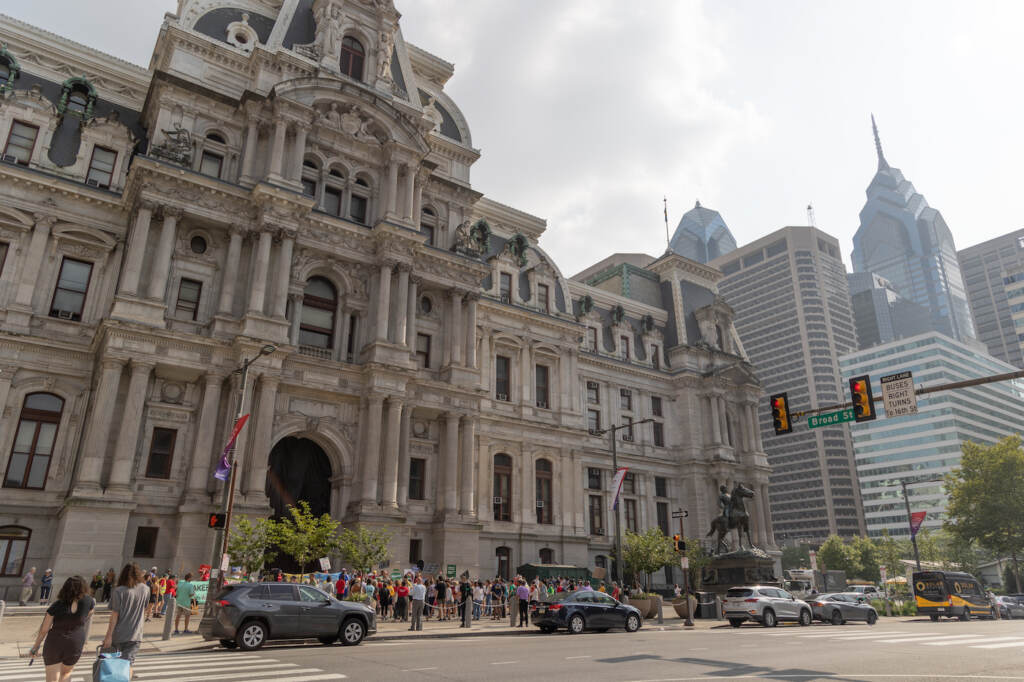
[[292, 173]]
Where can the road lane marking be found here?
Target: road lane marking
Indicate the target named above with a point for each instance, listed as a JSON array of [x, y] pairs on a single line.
[[416, 670], [917, 638], [1019, 642], [573, 658], [503, 662], [971, 639]]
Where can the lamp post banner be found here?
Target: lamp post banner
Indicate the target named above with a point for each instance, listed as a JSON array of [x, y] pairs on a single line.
[[916, 519], [224, 466], [620, 474]]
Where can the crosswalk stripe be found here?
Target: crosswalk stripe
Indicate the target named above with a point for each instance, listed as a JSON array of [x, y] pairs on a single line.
[[244, 674], [207, 666], [917, 638], [883, 635], [972, 640], [310, 678], [1004, 645], [35, 674]]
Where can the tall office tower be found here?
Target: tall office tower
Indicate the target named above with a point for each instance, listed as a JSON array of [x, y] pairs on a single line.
[[792, 306], [923, 447], [880, 314], [702, 235], [907, 242], [994, 275]]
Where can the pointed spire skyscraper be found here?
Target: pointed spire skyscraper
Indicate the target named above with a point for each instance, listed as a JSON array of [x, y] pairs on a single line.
[[882, 163]]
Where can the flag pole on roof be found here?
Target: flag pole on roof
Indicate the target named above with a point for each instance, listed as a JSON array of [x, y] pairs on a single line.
[[668, 243]]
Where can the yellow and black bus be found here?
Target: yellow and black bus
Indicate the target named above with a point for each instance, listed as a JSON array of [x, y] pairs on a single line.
[[954, 595]]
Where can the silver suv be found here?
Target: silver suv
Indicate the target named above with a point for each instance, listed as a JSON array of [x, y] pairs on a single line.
[[765, 605]]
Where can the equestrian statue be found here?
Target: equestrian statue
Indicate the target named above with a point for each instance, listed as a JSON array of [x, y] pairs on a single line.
[[734, 515]]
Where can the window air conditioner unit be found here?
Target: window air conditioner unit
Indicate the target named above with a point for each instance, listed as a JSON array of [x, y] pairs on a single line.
[[599, 531], [540, 504], [65, 314], [503, 396], [92, 182], [628, 438], [498, 500], [593, 432], [542, 404], [505, 298], [10, 158]]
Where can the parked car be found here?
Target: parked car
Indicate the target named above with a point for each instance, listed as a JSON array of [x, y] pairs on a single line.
[[765, 605], [584, 610], [839, 608], [1010, 606], [247, 615], [869, 591]]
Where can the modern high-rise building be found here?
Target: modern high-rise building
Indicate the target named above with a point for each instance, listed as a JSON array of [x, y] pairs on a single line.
[[880, 314], [702, 235], [994, 276], [907, 242], [792, 307], [924, 447]]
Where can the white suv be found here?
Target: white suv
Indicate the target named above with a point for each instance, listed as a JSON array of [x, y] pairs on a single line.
[[765, 605]]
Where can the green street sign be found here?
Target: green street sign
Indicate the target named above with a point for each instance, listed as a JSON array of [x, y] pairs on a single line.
[[831, 418], [450, 572], [396, 574]]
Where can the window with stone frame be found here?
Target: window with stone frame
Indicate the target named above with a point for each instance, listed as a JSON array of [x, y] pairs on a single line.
[[503, 557], [544, 297], [428, 225], [505, 287], [596, 508], [593, 421], [415, 551], [502, 377], [632, 519], [72, 287], [658, 430], [423, 350], [626, 399], [417, 478], [161, 453], [359, 202], [14, 542], [145, 542], [310, 177], [21, 141], [211, 164], [593, 478], [189, 293], [627, 432], [656, 406], [502, 488], [543, 473], [624, 347], [629, 483], [352, 58], [541, 385], [547, 555], [101, 167], [592, 339], [4, 247], [319, 303], [593, 393], [660, 486], [662, 510], [34, 439], [332, 201]]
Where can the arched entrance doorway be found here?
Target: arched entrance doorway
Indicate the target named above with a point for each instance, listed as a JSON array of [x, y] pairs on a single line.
[[298, 470]]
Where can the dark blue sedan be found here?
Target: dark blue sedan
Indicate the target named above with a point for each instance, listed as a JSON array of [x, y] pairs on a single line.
[[584, 610]]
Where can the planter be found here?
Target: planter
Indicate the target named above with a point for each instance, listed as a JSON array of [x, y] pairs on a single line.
[[681, 608], [653, 611], [643, 605]]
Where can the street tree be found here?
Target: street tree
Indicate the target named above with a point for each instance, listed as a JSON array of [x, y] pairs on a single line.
[[796, 557], [836, 555], [985, 494], [866, 557], [699, 558], [364, 548], [305, 537], [890, 552], [644, 553], [251, 545]]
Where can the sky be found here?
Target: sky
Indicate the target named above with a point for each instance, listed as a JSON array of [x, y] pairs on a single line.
[[589, 112]]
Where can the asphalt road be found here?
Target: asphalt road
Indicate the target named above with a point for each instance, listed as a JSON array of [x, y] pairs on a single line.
[[918, 650]]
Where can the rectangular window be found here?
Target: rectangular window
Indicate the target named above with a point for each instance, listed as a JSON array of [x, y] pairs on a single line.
[[542, 386], [631, 517], [656, 406], [3, 256], [161, 453], [655, 357], [72, 285], [20, 143], [592, 339], [662, 508], [505, 280], [428, 231], [624, 347], [629, 483], [357, 208], [332, 201], [593, 478], [543, 297], [13, 547], [593, 421], [626, 399], [309, 187], [423, 350], [350, 352], [189, 292], [502, 372], [659, 434], [660, 486], [627, 433], [415, 551], [145, 541], [417, 478], [596, 515], [593, 393], [210, 164], [101, 167]]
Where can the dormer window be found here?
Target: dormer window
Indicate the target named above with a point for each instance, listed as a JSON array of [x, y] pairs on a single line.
[[352, 57], [592, 339], [101, 168], [78, 97], [428, 225], [77, 102], [544, 297], [505, 290]]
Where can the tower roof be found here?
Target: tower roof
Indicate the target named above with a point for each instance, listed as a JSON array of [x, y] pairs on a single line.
[[882, 163], [702, 235]]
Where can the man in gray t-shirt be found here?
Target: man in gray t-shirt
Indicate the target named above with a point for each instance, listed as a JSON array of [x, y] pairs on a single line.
[[127, 610]]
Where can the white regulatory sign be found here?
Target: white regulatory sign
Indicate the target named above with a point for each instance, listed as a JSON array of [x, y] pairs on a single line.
[[898, 395]]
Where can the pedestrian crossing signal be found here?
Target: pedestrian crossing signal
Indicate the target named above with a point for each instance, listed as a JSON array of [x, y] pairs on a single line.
[[863, 401], [780, 414], [218, 520]]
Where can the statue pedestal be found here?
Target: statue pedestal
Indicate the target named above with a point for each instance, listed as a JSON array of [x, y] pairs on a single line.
[[744, 567]]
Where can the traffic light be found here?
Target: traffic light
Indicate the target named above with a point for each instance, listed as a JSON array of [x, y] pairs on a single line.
[[218, 520], [679, 542], [780, 414], [863, 401]]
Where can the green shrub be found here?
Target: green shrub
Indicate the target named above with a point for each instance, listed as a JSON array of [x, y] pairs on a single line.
[[360, 597]]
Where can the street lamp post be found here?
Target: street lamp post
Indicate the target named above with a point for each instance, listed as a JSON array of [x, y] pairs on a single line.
[[913, 538], [617, 573]]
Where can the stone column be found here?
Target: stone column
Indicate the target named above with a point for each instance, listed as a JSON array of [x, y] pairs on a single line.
[[136, 250], [471, 305], [417, 198], [252, 133], [403, 457], [258, 286], [526, 373], [410, 193], [371, 451], [467, 484], [449, 471], [410, 314], [716, 424], [262, 434], [293, 328], [402, 306], [346, 333], [389, 492], [284, 272], [103, 403], [300, 152], [165, 248], [277, 149], [723, 417], [34, 259], [230, 276], [458, 334], [391, 207], [383, 301], [131, 420], [202, 453], [766, 506]]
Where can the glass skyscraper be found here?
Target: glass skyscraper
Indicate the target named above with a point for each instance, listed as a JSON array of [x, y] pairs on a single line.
[[702, 235]]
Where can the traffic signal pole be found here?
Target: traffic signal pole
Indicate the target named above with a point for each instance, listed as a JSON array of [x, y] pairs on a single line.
[[913, 537], [681, 514]]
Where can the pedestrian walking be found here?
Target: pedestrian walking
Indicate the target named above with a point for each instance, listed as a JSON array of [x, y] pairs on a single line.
[[523, 595], [478, 599], [418, 592], [27, 583], [108, 584], [45, 585], [96, 585], [65, 628], [127, 610], [185, 592], [402, 592]]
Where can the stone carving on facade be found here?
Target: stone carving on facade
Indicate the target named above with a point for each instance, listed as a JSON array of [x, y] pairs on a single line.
[[618, 315], [472, 240], [385, 50], [647, 324], [516, 247], [352, 121], [176, 147], [586, 305], [326, 47]]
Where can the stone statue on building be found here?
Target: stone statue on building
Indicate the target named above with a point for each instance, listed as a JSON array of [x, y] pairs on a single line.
[[176, 147], [385, 50], [472, 240], [734, 516]]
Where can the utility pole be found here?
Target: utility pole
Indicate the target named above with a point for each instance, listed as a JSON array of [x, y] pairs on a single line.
[[913, 537], [617, 573], [682, 514]]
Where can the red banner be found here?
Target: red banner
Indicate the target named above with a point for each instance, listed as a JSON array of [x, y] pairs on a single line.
[[916, 519]]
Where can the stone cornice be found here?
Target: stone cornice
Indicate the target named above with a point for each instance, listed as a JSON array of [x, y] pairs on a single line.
[[608, 300], [511, 219], [671, 261]]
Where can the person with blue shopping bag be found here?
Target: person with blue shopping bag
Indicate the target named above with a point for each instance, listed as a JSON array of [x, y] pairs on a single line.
[[127, 611], [65, 628]]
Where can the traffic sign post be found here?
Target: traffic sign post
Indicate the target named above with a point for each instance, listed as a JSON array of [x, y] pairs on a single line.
[[898, 394], [684, 563], [831, 418]]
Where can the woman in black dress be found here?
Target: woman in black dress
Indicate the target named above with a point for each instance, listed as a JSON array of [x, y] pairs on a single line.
[[65, 627]]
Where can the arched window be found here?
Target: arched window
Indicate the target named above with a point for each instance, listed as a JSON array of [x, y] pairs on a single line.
[[352, 56], [78, 101], [601, 561], [13, 548], [547, 556], [334, 190], [543, 474], [502, 488], [504, 557], [216, 137], [319, 303], [310, 177], [359, 202], [428, 225], [33, 441]]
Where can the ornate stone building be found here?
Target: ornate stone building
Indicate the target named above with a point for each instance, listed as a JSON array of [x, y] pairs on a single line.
[[293, 173]]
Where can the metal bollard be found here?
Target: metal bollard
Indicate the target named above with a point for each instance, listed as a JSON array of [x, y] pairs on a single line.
[[467, 613], [661, 616], [3, 607], [169, 616]]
